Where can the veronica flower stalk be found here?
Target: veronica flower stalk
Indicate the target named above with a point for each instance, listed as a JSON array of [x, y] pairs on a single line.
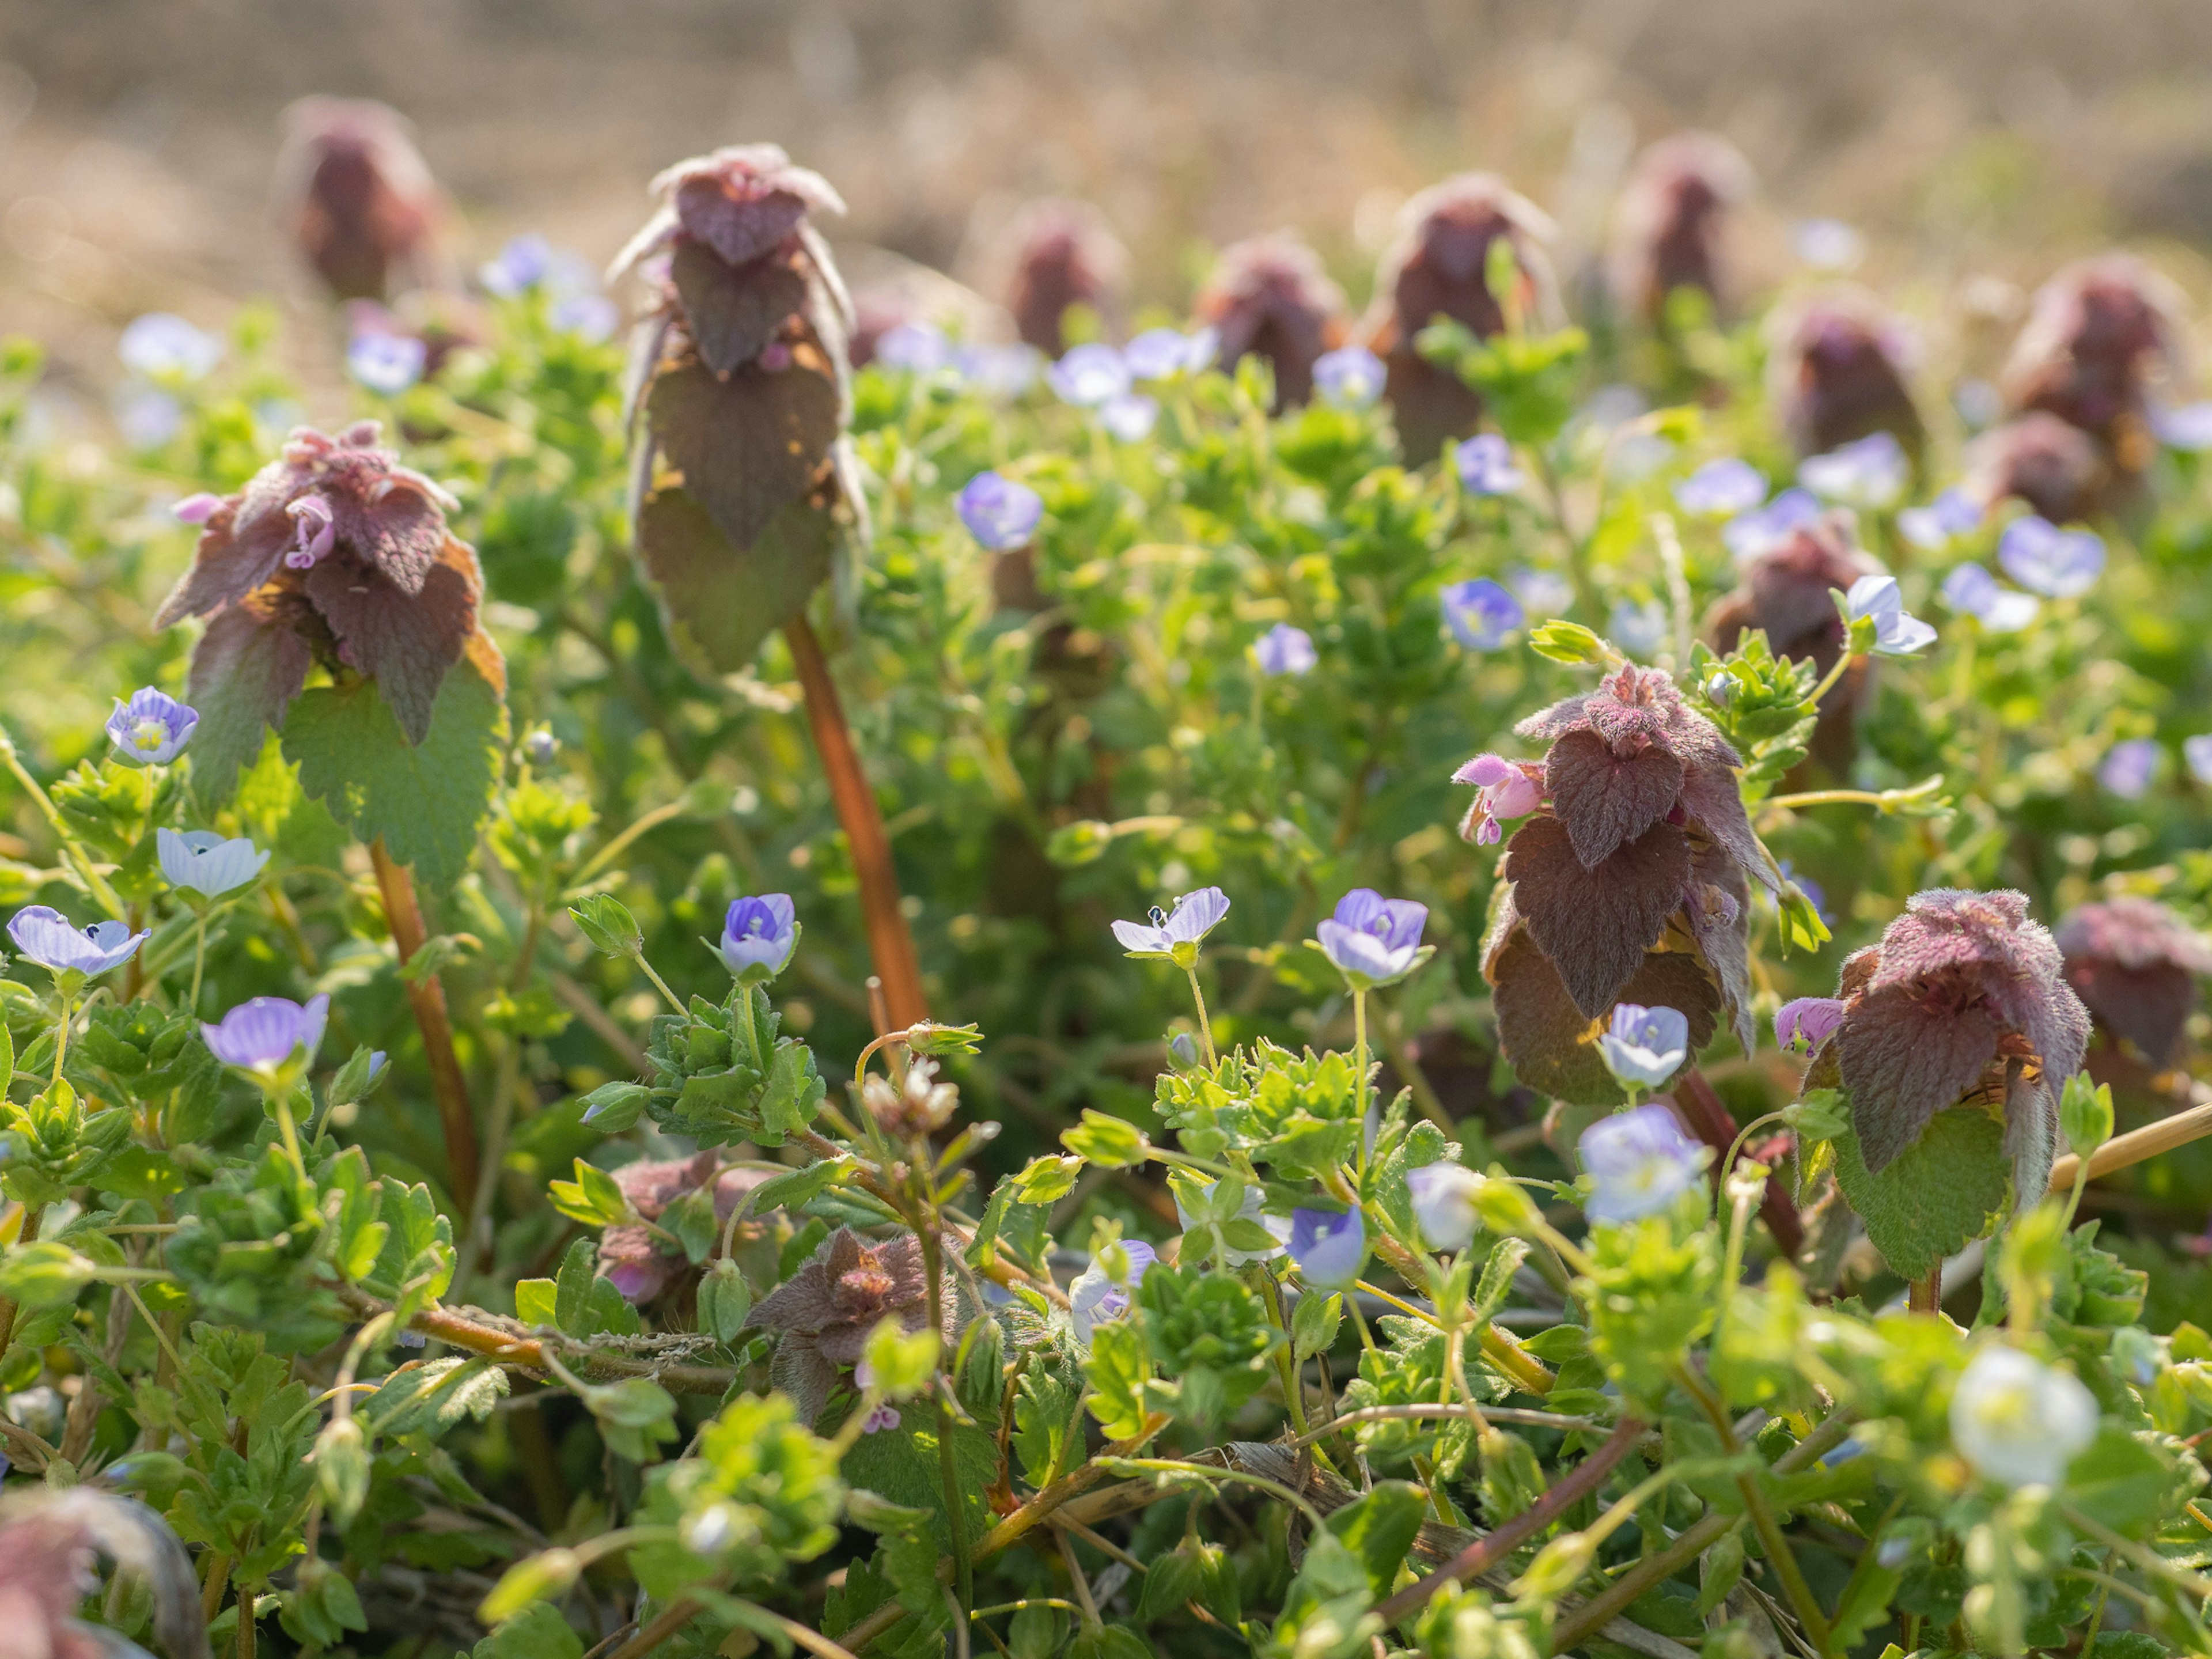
[[1175, 936], [1373, 942], [272, 1041]]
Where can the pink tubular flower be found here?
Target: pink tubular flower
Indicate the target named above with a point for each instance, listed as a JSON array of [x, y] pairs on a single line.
[[1808, 1020], [1508, 790]]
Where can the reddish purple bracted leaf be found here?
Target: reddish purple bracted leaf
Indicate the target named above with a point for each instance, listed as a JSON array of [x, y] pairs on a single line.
[[735, 223], [2031, 1133], [239, 549], [1712, 800], [1981, 937], [1718, 912], [733, 312], [1552, 1047], [1604, 799], [2132, 932], [401, 532], [406, 645], [246, 670], [1904, 1061], [748, 445], [2148, 1006], [1595, 925]]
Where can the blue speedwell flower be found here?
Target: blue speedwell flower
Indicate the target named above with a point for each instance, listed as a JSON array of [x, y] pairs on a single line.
[[1722, 488], [1161, 354], [1485, 465], [1638, 630], [1644, 1045], [1284, 649], [1247, 1210], [1973, 592], [1175, 934], [758, 936], [263, 1035], [1870, 474], [2197, 751], [1329, 1246], [2059, 564], [1541, 592], [1130, 416], [999, 514], [1481, 614], [1638, 1161], [1896, 632], [1094, 1297], [151, 729], [1089, 375], [1443, 1203], [1932, 528], [2188, 428], [204, 863], [1749, 536], [48, 938], [1350, 377], [914, 347], [1373, 941], [385, 363], [2130, 767], [163, 346]]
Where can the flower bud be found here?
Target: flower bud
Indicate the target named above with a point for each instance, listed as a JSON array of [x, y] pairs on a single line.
[[914, 1110]]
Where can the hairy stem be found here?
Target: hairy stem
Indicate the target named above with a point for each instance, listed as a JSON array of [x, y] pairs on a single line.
[[1713, 1125], [889, 943], [426, 996]]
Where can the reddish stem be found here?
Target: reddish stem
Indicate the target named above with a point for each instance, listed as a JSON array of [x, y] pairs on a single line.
[[426, 995], [1713, 1124], [1487, 1551], [889, 941]]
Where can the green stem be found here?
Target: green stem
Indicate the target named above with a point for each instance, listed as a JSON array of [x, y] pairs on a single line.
[[62, 1035], [280, 1102], [1828, 682], [199, 962], [964, 1567], [1205, 1025], [1359, 1044], [1771, 1535], [661, 984], [95, 882]]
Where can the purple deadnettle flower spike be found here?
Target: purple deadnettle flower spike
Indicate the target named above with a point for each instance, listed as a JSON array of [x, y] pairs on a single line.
[[759, 936], [261, 1036], [1444, 1203], [1481, 614], [151, 729], [2129, 768], [1485, 465], [1175, 934], [1804, 1025], [1896, 632], [1639, 1161], [1089, 375], [1722, 488], [2059, 564], [1749, 536], [200, 861], [56, 945], [1284, 649], [1094, 1297], [1372, 940], [1870, 474], [1350, 377], [999, 514], [1508, 792], [1330, 1246], [1644, 1046]]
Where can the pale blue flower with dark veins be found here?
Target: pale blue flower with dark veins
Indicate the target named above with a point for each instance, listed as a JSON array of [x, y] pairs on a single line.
[[1638, 630], [263, 1035], [205, 863], [1896, 632], [1639, 1161], [1177, 932], [1329, 1246], [521, 264], [2129, 768], [1443, 1203], [1161, 354], [147, 417], [1541, 592], [1932, 528], [1130, 416], [1749, 536], [1004, 371], [151, 729], [1284, 649], [1827, 244], [1350, 377], [589, 316], [1870, 474], [1643, 1045], [1094, 1297], [999, 514], [48, 938], [1973, 592], [2059, 564], [1481, 614], [1485, 466], [1723, 488], [759, 935], [1372, 940], [1089, 375], [914, 347], [385, 363], [2197, 751], [163, 346]]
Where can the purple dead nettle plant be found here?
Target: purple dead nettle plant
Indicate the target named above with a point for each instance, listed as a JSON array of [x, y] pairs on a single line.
[[1628, 881], [1437, 265], [738, 370], [1671, 228], [51, 1538], [1961, 1004], [1787, 592], [1059, 254], [1837, 371], [2134, 963], [366, 213], [2101, 336], [1269, 297], [824, 1312], [332, 555], [641, 1260], [2055, 467]]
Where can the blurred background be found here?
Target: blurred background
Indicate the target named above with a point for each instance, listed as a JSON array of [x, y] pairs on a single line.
[[139, 138]]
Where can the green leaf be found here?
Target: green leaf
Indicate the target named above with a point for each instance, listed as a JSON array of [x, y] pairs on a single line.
[[1047, 1424], [538, 1632], [426, 800], [1118, 1371], [1046, 1180], [592, 1197], [1314, 1324], [798, 1189], [613, 1107], [1379, 1528], [2085, 1114], [608, 925], [1951, 1187], [1497, 1281], [2119, 1481], [725, 1301], [535, 1300], [1111, 1141]]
